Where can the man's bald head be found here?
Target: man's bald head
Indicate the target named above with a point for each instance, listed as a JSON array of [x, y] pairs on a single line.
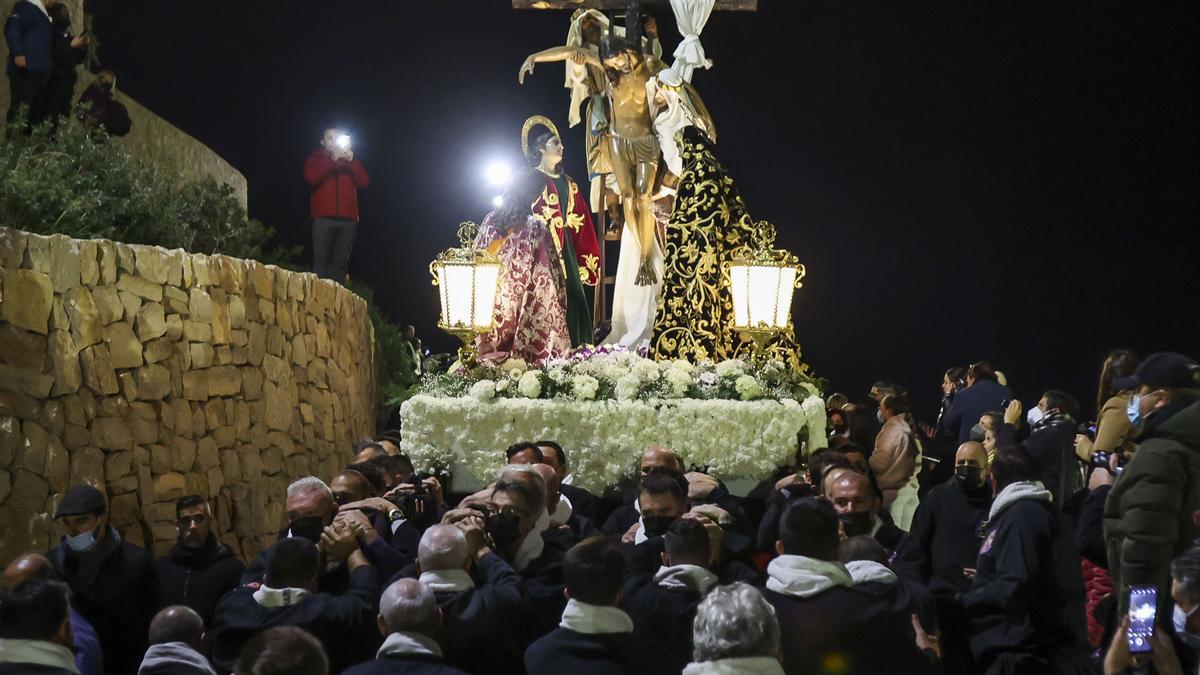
[[659, 456], [178, 624], [548, 474], [27, 568], [852, 492], [409, 606], [971, 450], [442, 547]]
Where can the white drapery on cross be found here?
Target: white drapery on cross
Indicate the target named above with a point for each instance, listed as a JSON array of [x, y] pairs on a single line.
[[691, 15]]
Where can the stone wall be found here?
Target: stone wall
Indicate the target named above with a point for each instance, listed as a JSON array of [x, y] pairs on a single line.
[[152, 374], [151, 137]]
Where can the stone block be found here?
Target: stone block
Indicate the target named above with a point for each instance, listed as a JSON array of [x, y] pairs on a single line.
[[108, 304], [207, 455], [108, 261], [87, 467], [118, 465], [28, 299], [230, 466], [19, 405], [239, 356], [174, 261], [199, 424], [64, 263], [124, 347], [144, 432], [37, 252], [126, 259], [185, 454], [162, 512], [111, 433], [237, 312], [129, 388], [216, 480], [89, 265], [151, 321], [223, 356], [29, 492], [28, 382], [275, 341], [272, 461], [252, 466], [174, 327], [202, 270], [201, 354], [120, 486], [284, 318], [58, 466], [158, 350], [281, 405], [306, 413], [284, 443], [276, 369], [98, 373], [74, 409], [220, 318], [317, 373], [252, 384], [31, 455], [12, 247], [169, 487], [182, 414], [131, 304], [53, 417], [197, 484], [142, 288], [300, 353], [266, 311], [195, 385], [257, 342], [224, 436], [151, 264], [200, 305], [175, 300], [196, 331], [113, 406], [76, 436], [84, 317], [214, 413], [10, 437], [153, 382], [124, 510], [21, 349], [241, 419], [64, 359], [262, 280], [5, 485], [160, 460]]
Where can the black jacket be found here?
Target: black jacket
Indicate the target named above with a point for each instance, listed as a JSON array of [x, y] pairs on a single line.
[[114, 588], [565, 651], [582, 502], [1051, 445], [1027, 597], [406, 664], [478, 624], [859, 625], [197, 577], [342, 623], [623, 517], [889, 534], [970, 403], [661, 615], [944, 539]]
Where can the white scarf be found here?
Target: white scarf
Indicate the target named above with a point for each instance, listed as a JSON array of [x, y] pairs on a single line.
[[869, 570], [739, 665], [690, 577], [406, 642], [280, 597], [594, 619], [804, 577], [531, 547], [1015, 492], [562, 512], [449, 581], [38, 653], [40, 4], [578, 78], [169, 654]]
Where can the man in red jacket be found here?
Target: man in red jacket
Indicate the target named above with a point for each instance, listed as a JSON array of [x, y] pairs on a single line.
[[335, 177]]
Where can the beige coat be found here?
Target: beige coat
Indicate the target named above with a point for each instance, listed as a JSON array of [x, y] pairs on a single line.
[[1112, 429], [894, 458]]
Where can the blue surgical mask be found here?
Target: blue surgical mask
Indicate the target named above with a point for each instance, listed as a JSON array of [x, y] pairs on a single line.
[[82, 541], [1134, 410], [1034, 415], [1180, 619]]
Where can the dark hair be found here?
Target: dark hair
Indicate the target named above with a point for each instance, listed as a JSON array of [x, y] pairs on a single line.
[[518, 199], [809, 527], [1064, 402], [824, 460], [283, 650], [517, 448], [864, 547], [686, 541], [661, 480], [981, 370], [562, 454], [392, 465], [392, 435], [888, 387], [531, 497], [1186, 570], [188, 502], [593, 570], [177, 623], [897, 404], [1012, 464], [957, 375], [34, 610], [538, 146], [292, 563], [861, 425], [364, 443], [1119, 363], [372, 473]]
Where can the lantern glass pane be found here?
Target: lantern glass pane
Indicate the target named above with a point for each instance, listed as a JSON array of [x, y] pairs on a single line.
[[739, 278], [787, 286], [455, 280], [486, 279], [764, 295]]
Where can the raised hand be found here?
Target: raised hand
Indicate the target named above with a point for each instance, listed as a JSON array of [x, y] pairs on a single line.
[[526, 69]]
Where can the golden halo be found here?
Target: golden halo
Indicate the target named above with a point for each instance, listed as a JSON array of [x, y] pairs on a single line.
[[530, 124]]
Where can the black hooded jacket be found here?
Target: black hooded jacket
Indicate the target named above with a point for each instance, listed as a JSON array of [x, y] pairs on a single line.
[[197, 577]]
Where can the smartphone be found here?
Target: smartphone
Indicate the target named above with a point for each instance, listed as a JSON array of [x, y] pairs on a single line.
[[1143, 605]]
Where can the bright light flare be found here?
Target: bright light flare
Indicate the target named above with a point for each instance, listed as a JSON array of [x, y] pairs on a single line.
[[343, 142], [498, 202], [498, 173]]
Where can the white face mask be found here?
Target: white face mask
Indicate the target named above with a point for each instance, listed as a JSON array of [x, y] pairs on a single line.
[[1180, 619], [1034, 415], [82, 541]]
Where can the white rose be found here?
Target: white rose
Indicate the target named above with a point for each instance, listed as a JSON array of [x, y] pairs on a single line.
[[627, 387], [685, 366], [748, 388], [731, 368], [679, 381], [646, 370], [515, 364], [530, 384], [559, 375], [483, 390], [584, 387]]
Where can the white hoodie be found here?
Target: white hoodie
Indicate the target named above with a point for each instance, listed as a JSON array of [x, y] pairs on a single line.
[[804, 577], [868, 570], [1015, 492], [741, 665]]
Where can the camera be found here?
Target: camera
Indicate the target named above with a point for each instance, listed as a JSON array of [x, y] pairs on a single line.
[[1100, 460], [343, 142]]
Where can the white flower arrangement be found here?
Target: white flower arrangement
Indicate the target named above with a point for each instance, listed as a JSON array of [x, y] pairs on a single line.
[[530, 384], [483, 390], [748, 388], [584, 387]]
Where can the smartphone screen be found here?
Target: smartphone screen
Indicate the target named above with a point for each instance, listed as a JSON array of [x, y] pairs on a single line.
[[1143, 605]]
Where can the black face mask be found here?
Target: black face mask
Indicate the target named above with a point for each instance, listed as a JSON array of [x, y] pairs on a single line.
[[657, 526], [969, 478], [978, 434], [309, 527], [505, 529], [859, 522]]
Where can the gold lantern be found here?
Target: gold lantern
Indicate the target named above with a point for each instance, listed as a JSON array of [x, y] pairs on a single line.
[[467, 278], [762, 280]]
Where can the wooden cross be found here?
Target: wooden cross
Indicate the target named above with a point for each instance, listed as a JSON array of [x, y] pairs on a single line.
[[617, 5]]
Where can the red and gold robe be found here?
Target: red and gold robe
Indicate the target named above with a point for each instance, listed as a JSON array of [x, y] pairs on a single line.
[[574, 222]]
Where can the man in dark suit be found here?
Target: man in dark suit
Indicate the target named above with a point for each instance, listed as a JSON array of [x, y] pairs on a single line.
[[595, 636], [982, 394], [824, 619], [288, 597], [409, 617], [583, 503]]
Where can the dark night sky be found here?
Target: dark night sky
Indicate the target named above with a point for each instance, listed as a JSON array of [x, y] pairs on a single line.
[[1011, 181]]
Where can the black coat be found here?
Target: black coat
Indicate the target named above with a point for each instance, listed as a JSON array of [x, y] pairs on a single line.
[[1051, 446], [970, 403], [477, 624], [582, 502], [860, 625], [661, 615], [944, 539], [405, 664], [1027, 597], [197, 577], [565, 651], [542, 583], [345, 624], [31, 669], [622, 518], [114, 588], [889, 534]]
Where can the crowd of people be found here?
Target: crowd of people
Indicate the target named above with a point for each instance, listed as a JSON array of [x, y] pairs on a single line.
[[993, 540], [44, 57]]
